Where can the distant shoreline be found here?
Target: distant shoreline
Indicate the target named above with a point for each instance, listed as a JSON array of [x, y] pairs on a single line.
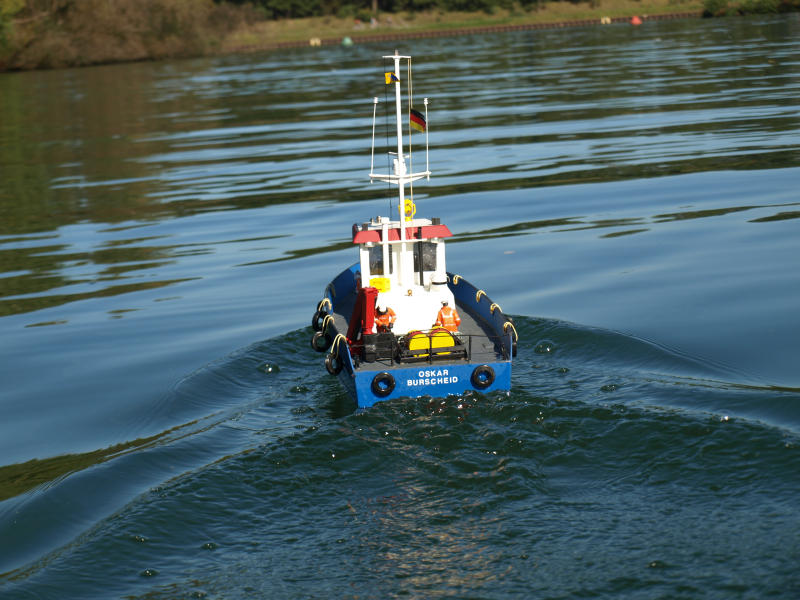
[[384, 37], [85, 35]]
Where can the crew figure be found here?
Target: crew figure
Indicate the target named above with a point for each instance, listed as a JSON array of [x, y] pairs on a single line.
[[448, 318], [385, 318]]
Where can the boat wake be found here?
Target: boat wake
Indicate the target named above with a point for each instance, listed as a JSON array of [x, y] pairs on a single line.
[[270, 397]]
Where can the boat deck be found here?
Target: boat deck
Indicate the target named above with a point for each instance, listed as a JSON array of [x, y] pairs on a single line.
[[476, 336]]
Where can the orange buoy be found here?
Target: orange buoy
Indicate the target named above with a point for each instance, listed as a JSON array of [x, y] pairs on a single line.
[[636, 20]]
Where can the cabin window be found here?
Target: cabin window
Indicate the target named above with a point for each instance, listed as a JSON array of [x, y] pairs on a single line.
[[376, 261], [426, 255]]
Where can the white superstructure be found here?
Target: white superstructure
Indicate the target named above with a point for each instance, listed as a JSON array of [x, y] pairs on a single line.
[[404, 259]]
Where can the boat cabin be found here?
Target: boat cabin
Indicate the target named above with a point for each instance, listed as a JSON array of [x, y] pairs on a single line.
[[405, 263]]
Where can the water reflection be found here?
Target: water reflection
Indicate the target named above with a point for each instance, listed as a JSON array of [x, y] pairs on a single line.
[[20, 478], [38, 277], [781, 216], [147, 143]]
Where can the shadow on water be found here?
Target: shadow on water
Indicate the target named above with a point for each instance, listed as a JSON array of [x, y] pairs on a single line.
[[261, 433]]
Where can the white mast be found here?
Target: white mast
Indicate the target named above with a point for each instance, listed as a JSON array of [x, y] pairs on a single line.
[[400, 177], [400, 170]]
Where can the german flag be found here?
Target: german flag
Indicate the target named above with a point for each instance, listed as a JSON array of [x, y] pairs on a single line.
[[418, 120]]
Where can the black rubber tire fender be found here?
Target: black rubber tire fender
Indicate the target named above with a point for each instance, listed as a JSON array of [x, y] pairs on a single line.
[[333, 364], [482, 377], [383, 384], [318, 319], [321, 341]]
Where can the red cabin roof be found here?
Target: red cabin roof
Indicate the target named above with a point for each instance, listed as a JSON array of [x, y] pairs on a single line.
[[425, 232]]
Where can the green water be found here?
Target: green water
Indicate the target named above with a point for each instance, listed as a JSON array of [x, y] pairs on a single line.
[[629, 194]]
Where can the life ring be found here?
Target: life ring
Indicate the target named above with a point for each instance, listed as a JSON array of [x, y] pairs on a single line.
[[482, 377], [321, 341], [410, 209], [383, 384], [318, 319], [333, 364]]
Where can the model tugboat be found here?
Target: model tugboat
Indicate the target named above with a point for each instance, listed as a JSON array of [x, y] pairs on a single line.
[[397, 323]]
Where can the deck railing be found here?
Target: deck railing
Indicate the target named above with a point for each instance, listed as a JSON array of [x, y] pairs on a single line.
[[390, 349]]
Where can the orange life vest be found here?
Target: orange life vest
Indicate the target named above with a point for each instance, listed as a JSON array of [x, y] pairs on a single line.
[[385, 320], [448, 318]]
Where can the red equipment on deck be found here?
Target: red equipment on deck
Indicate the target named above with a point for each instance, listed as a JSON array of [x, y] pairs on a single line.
[[363, 319]]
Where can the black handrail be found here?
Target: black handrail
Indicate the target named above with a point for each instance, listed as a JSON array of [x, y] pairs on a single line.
[[394, 349]]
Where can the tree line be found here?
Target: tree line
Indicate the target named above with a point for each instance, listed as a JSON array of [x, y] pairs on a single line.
[[362, 8], [56, 33]]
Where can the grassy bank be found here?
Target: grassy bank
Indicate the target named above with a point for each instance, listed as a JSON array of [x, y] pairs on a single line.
[[288, 31]]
